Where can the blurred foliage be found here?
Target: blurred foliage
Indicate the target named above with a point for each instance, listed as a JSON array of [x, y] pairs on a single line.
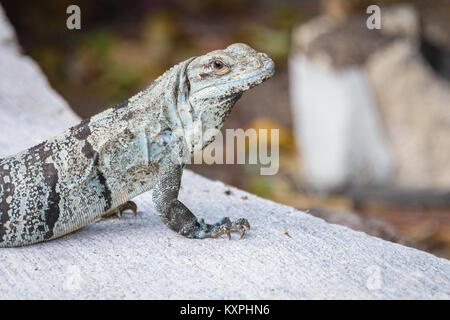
[[123, 46]]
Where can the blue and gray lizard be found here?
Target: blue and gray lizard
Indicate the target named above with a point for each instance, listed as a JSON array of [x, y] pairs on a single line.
[[95, 168]]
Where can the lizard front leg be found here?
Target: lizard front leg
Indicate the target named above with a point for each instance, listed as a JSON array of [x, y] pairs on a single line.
[[178, 217]]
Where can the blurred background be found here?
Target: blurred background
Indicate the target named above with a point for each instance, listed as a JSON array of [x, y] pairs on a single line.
[[364, 115]]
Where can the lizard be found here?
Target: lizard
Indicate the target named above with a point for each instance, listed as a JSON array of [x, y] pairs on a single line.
[[96, 167]]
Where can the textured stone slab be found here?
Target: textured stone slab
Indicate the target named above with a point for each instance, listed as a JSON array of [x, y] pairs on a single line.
[[288, 254]]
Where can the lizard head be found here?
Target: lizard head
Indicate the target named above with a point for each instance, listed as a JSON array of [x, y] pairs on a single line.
[[219, 78], [225, 74]]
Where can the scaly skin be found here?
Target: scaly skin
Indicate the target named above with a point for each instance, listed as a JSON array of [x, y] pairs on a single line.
[[91, 169]]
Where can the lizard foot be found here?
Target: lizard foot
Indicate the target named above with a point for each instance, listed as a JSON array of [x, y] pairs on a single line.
[[129, 205], [225, 226]]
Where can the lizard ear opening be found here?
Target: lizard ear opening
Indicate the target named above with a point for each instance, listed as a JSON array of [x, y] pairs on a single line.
[[188, 84], [184, 85], [176, 97]]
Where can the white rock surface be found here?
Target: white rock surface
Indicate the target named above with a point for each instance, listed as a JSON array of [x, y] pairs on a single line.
[[138, 257]]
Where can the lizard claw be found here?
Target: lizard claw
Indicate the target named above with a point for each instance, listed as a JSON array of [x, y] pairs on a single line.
[[225, 226], [239, 229], [242, 222], [129, 205]]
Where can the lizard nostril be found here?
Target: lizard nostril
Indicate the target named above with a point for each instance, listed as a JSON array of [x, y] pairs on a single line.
[[262, 55]]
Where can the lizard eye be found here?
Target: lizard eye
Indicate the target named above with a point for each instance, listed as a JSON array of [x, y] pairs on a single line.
[[218, 64], [219, 67]]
